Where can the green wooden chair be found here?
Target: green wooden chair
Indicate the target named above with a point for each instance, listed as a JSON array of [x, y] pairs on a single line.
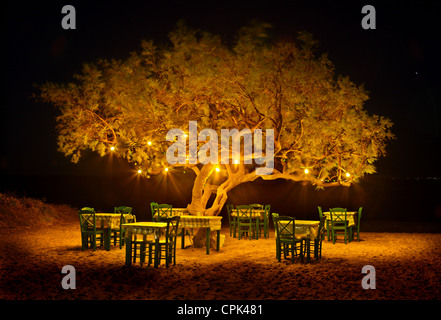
[[325, 221], [90, 234], [163, 212], [339, 224], [285, 238], [356, 228], [245, 222], [265, 223], [166, 246], [231, 220], [316, 244], [118, 234], [153, 206]]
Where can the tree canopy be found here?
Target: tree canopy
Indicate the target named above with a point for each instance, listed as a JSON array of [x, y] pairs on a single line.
[[322, 133]]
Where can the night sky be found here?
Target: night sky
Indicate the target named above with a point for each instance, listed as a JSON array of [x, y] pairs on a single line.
[[398, 62]]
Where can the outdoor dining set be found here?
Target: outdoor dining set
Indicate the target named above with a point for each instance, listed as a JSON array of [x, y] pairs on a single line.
[[156, 240]]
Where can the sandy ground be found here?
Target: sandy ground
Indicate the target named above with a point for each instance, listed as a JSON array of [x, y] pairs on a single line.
[[407, 265]]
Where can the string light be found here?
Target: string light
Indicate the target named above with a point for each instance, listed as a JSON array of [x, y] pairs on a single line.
[[139, 171], [112, 148], [149, 143], [348, 174], [166, 169], [217, 169], [306, 171]]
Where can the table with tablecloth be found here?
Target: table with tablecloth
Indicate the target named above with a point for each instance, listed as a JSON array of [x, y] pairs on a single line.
[[256, 214], [211, 223], [143, 228], [351, 217], [106, 222]]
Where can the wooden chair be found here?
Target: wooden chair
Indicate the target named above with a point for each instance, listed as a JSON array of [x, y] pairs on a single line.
[[245, 222], [285, 238], [153, 206], [356, 228], [231, 220], [316, 244], [339, 224], [118, 234], [326, 222], [265, 221], [90, 234], [166, 245], [163, 212]]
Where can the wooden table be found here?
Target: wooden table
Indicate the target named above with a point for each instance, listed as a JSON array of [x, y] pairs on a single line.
[[211, 223], [144, 229], [350, 217], [107, 221], [256, 214]]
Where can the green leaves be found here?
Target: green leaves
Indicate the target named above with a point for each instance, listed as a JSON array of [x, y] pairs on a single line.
[[318, 117]]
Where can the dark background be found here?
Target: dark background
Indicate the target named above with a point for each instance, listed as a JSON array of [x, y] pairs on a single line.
[[398, 63]]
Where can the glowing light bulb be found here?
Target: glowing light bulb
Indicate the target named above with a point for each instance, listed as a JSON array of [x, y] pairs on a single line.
[[139, 171], [348, 174], [149, 143], [236, 161], [166, 170], [112, 148], [217, 169], [306, 171]]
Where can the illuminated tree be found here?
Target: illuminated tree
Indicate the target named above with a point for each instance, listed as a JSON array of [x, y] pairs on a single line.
[[322, 133]]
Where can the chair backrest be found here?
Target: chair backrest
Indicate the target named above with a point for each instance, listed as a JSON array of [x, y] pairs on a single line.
[[122, 209], [163, 212], [321, 228], [359, 215], [275, 215], [87, 219], [153, 206], [126, 214], [285, 227], [230, 208], [338, 214], [172, 229], [267, 210], [320, 212], [244, 213], [257, 206]]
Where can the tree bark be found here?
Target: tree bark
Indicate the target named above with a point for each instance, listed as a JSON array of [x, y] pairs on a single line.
[[202, 192]]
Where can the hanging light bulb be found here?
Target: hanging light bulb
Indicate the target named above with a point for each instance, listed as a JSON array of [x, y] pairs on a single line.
[[166, 169], [149, 143], [306, 171], [139, 171], [112, 148], [348, 174], [217, 169]]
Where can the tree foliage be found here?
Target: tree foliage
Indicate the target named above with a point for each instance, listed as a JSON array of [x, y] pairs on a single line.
[[255, 83]]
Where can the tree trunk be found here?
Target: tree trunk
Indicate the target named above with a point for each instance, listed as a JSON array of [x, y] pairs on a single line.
[[202, 192]]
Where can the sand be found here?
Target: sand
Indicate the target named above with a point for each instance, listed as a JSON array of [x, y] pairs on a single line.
[[407, 267]]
